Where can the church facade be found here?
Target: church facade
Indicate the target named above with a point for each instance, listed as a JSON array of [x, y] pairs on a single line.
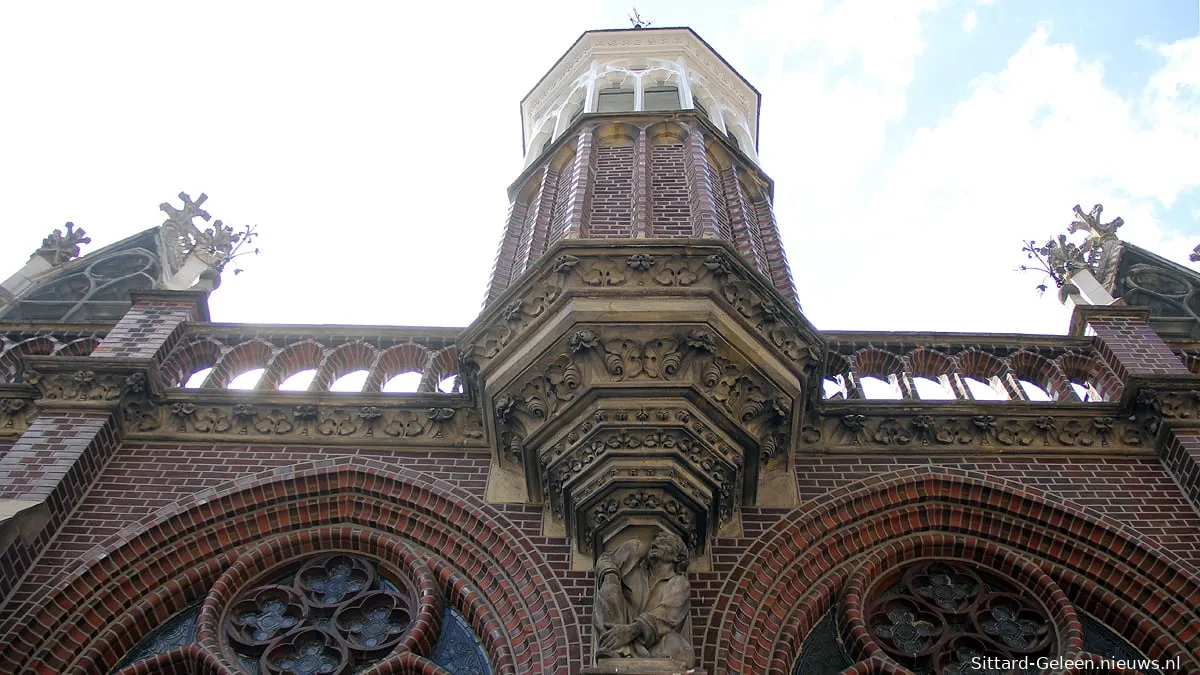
[[639, 458]]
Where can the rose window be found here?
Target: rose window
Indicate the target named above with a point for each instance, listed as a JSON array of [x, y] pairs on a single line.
[[331, 614], [947, 616]]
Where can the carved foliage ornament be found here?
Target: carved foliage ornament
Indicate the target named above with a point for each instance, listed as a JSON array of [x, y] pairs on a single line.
[[326, 423], [16, 414], [753, 302], [724, 471], [975, 430], [689, 356]]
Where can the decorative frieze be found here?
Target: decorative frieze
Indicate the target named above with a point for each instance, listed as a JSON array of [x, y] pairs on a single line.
[[361, 421], [974, 430], [712, 270]]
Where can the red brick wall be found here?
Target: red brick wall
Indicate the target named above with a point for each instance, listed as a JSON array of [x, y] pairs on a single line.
[[1131, 347], [721, 204], [1134, 491], [1181, 455], [562, 202], [141, 479], [669, 192], [612, 193]]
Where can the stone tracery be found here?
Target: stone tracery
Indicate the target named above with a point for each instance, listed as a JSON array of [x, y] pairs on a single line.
[[936, 615]]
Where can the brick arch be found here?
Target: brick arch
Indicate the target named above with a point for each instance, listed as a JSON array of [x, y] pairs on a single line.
[[925, 362], [343, 359], [981, 365], [290, 360], [245, 356], [186, 360], [10, 360], [78, 347], [11, 364], [441, 364], [764, 611], [1043, 372], [876, 362], [137, 578], [406, 358], [1088, 368]]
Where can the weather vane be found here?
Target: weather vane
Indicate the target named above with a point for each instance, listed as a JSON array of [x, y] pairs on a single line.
[[637, 20]]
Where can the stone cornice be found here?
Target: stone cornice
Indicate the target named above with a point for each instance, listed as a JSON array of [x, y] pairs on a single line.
[[974, 429], [352, 420]]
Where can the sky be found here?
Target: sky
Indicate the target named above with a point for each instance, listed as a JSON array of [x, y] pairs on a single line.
[[914, 145]]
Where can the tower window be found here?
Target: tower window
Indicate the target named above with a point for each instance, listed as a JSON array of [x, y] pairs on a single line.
[[732, 139], [661, 98], [615, 99], [699, 108]]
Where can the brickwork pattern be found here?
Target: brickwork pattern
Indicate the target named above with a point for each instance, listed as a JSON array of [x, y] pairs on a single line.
[[506, 252], [635, 178], [145, 483], [492, 571], [789, 579], [147, 331], [1132, 491], [779, 270], [720, 202], [611, 215], [55, 461], [563, 200], [701, 202], [669, 192], [1133, 348], [1181, 457]]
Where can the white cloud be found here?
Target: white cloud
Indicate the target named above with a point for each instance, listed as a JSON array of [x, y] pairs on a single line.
[[373, 145], [936, 244], [970, 20]]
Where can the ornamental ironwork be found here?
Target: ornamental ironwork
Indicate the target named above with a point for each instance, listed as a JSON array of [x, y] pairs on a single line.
[[944, 616]]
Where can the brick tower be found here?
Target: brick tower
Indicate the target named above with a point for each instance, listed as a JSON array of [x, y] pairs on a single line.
[[641, 134], [640, 458]]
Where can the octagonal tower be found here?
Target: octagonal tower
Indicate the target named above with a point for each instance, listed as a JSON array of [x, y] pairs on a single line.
[[641, 134], [641, 359]]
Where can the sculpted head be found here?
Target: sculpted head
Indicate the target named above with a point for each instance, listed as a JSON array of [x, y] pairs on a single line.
[[669, 547]]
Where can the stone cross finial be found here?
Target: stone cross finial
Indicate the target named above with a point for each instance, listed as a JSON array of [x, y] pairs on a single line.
[[1090, 223], [182, 218], [58, 248]]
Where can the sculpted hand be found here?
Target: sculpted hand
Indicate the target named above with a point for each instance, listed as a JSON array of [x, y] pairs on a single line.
[[619, 636]]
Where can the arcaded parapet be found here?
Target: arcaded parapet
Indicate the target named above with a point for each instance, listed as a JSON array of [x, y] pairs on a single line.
[[648, 70]]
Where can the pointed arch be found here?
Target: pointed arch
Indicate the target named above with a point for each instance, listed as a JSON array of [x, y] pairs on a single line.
[[798, 568], [138, 577]]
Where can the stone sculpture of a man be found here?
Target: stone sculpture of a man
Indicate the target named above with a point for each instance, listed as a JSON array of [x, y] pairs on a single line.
[[642, 601]]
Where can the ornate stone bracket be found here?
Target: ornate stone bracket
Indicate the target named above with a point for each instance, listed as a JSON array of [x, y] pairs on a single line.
[[670, 270], [17, 408]]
